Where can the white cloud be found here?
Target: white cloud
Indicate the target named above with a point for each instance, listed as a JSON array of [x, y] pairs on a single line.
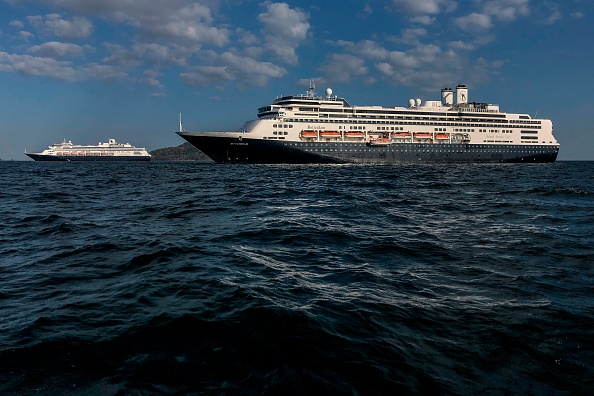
[[366, 12], [365, 48], [160, 33], [251, 71], [206, 75], [54, 49], [53, 24], [284, 29], [411, 36], [343, 68], [191, 23], [474, 22], [577, 15], [151, 53], [17, 24], [25, 36], [61, 70], [461, 46], [37, 66], [507, 10], [233, 67], [423, 7], [499, 10], [102, 72], [246, 37], [150, 78], [554, 17], [426, 65], [423, 20], [548, 12], [171, 20]]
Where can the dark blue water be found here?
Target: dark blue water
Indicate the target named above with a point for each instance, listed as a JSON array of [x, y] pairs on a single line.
[[189, 278]]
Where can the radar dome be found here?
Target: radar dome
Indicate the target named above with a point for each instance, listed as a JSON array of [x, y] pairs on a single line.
[[411, 102], [328, 92], [418, 102]]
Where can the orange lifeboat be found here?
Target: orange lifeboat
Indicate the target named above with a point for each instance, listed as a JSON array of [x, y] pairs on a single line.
[[309, 133], [400, 135], [422, 135], [354, 134], [329, 133], [379, 142], [442, 136]]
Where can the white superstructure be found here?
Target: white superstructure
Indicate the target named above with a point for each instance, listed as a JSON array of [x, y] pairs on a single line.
[[331, 118]]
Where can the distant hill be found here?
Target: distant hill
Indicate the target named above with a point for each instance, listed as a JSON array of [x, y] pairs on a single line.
[[183, 152]]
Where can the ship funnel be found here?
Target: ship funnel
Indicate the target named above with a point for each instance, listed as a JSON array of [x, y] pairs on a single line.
[[181, 125], [447, 96], [461, 94]]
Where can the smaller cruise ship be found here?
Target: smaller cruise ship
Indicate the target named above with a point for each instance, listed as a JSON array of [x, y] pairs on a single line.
[[110, 151]]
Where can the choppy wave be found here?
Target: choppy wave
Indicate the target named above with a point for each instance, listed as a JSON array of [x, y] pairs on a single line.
[[183, 278]]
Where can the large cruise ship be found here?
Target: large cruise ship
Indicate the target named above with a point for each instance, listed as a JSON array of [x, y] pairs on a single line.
[[308, 128], [110, 151]]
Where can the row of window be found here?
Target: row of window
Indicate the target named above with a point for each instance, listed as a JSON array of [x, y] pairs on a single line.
[[432, 146], [310, 120], [431, 151], [524, 119]]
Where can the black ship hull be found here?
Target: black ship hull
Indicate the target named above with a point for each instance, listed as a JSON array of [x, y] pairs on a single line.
[[262, 151], [90, 158]]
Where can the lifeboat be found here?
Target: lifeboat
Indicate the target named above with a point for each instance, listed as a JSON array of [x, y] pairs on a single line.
[[309, 133], [422, 135], [329, 133], [442, 136], [379, 142], [400, 135], [354, 134]]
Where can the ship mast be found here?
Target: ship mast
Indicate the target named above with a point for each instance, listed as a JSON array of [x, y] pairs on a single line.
[[181, 126], [312, 88]]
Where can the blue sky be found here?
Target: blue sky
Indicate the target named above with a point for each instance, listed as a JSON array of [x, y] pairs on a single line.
[[91, 70]]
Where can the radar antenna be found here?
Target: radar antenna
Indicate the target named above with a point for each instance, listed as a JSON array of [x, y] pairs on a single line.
[[312, 88]]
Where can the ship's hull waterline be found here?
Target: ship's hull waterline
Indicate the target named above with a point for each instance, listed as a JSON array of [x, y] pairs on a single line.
[[238, 149], [87, 158]]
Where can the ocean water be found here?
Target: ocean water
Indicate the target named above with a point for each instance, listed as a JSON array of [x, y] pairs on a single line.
[[190, 278]]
